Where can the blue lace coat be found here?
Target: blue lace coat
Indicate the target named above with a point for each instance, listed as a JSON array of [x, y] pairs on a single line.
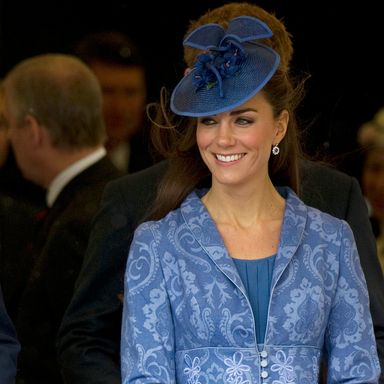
[[187, 318]]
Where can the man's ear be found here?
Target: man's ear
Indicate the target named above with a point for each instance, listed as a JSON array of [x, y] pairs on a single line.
[[35, 130]]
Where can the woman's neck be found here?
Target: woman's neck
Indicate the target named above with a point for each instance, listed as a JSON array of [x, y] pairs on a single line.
[[244, 208]]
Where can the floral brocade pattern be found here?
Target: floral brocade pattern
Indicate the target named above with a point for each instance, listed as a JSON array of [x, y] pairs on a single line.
[[187, 319]]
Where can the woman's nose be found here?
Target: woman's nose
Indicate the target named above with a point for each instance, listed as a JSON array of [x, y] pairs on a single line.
[[225, 135]]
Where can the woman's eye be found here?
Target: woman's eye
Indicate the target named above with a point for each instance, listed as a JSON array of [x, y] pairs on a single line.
[[243, 121], [207, 121]]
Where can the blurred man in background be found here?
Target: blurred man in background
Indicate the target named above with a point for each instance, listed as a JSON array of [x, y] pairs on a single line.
[[121, 71]]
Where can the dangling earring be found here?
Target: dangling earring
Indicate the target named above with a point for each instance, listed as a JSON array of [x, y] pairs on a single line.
[[276, 149]]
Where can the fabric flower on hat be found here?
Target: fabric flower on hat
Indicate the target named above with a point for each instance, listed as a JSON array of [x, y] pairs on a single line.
[[211, 68]]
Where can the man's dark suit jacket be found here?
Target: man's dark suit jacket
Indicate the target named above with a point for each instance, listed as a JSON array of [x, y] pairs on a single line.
[[17, 220], [59, 250], [89, 338], [140, 156], [15, 185], [9, 346]]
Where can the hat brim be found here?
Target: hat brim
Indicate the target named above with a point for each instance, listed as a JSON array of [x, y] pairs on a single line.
[[255, 71]]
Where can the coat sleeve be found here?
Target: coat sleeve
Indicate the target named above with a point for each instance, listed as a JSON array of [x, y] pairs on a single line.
[[147, 337], [350, 341]]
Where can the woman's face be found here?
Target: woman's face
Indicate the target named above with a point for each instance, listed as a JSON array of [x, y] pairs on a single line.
[[373, 181], [236, 145]]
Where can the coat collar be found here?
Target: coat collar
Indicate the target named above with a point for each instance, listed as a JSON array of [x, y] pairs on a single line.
[[206, 233]]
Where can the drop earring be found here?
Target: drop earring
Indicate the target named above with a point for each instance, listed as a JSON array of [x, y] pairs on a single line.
[[276, 149]]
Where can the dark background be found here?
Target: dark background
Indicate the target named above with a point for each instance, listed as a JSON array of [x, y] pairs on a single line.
[[339, 44]]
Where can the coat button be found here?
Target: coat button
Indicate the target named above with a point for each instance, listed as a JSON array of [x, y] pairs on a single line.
[[264, 374], [264, 363]]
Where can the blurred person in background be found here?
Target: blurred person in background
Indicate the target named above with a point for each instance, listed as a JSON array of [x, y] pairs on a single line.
[[17, 223], [122, 74], [53, 111], [370, 137], [12, 181], [13, 219]]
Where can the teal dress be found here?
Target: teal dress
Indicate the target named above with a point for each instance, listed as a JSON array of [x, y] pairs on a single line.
[[256, 276]]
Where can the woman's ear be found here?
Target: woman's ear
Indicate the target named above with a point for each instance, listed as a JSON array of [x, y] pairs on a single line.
[[282, 125]]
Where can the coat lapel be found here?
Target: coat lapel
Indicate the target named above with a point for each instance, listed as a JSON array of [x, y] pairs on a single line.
[[295, 217], [205, 232]]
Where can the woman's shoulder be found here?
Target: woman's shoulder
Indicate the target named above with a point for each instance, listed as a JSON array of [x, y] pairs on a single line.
[[167, 220], [191, 206], [313, 213]]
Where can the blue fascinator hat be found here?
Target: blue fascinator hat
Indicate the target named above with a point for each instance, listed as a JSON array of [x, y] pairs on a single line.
[[231, 70]]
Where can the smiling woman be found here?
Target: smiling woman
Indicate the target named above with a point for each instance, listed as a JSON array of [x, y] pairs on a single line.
[[229, 249]]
